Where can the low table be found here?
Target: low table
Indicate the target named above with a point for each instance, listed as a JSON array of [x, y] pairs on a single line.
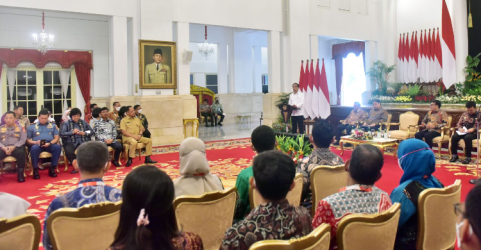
[[380, 143]]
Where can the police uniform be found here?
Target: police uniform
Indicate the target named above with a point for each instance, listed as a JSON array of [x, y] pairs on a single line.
[[157, 73], [14, 136], [133, 126], [47, 132]]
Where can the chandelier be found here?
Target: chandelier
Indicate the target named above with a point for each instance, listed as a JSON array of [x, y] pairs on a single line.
[[43, 41], [206, 49]]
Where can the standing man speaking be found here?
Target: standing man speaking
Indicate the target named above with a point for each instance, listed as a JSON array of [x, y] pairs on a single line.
[[296, 100]]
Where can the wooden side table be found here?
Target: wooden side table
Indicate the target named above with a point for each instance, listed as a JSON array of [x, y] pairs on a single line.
[[195, 127]]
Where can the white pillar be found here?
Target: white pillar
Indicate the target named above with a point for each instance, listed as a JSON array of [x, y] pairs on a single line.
[[222, 68], [118, 60], [257, 70], [274, 61], [183, 68], [243, 62], [231, 59]]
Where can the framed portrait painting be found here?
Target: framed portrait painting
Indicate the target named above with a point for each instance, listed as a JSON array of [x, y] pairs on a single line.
[[157, 64]]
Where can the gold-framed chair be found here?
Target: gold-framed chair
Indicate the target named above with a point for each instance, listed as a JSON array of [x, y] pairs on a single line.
[[139, 148], [325, 181], [69, 227], [462, 144], [12, 160], [43, 155], [407, 126], [433, 204], [21, 232], [294, 196], [387, 124], [446, 133], [208, 215], [318, 239], [364, 231]]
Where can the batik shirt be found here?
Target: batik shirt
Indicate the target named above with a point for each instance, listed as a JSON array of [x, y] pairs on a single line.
[[377, 116], [319, 156], [437, 118], [355, 199], [185, 241], [468, 121], [144, 121], [89, 191], [24, 121], [105, 130], [204, 107], [359, 116], [271, 221]]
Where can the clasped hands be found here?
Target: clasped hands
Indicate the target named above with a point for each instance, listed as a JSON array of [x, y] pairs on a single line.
[[370, 125], [428, 126], [78, 132], [8, 150]]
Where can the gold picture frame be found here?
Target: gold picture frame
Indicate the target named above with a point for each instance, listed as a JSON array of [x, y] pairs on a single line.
[[155, 75]]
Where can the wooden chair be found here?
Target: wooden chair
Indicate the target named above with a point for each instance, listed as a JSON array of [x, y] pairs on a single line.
[[407, 126], [22, 232], [462, 144], [364, 231], [387, 124], [325, 181], [43, 155], [436, 218], [139, 148], [446, 133], [208, 215], [318, 239], [69, 227], [294, 196], [12, 160]]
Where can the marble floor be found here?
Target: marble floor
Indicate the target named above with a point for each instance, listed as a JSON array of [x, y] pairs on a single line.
[[227, 131]]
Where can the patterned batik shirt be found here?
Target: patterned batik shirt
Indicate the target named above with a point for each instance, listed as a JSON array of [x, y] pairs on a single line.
[[144, 121], [319, 156], [24, 121], [377, 116], [437, 118], [468, 121], [271, 221], [105, 130], [359, 116], [355, 199], [89, 191]]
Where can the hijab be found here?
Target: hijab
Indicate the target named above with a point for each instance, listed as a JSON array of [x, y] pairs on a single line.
[[195, 178]]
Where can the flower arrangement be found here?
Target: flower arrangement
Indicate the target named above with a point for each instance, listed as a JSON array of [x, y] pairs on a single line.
[[404, 98], [361, 135], [297, 148], [424, 98]]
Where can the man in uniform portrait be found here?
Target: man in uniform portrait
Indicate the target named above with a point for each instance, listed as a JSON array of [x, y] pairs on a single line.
[[157, 72]]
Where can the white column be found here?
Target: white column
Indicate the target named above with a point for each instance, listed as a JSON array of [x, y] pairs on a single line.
[[222, 69], [118, 65], [231, 60], [257, 70], [183, 68], [274, 61]]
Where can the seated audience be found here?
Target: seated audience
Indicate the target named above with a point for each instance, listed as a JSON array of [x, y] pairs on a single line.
[[275, 218], [376, 115], [468, 225], [143, 119], [204, 110], [93, 163], [321, 138], [122, 113], [417, 160], [147, 216], [216, 109], [356, 116], [22, 120], [12, 206], [12, 143], [263, 139], [66, 115], [132, 130], [88, 116], [74, 132], [434, 120], [115, 111], [360, 196], [2, 120], [50, 118], [43, 136], [95, 116], [106, 132], [195, 177], [467, 126]]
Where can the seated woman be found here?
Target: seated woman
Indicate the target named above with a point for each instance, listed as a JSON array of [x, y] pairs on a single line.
[[417, 161], [121, 116], [147, 217], [195, 178]]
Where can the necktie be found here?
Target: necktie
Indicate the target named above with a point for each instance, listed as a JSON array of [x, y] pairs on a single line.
[[157, 67]]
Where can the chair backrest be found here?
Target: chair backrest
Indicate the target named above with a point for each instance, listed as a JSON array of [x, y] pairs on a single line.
[[325, 181], [446, 129], [294, 196], [208, 215], [388, 121], [318, 239], [433, 204], [69, 227], [21, 232], [407, 119], [364, 231]]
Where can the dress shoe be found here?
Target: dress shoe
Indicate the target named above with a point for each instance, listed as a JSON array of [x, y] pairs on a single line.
[[129, 162], [74, 172], [36, 176], [466, 160], [116, 163], [51, 172], [148, 160], [20, 177], [454, 158], [220, 124]]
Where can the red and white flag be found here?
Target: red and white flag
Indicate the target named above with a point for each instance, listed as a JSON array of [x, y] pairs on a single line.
[[438, 62], [301, 79], [433, 56], [421, 58], [400, 60], [308, 95], [324, 103], [406, 59], [429, 62], [447, 47], [315, 92], [426, 56], [416, 57]]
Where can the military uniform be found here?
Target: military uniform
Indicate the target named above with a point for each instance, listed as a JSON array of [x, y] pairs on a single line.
[[133, 125], [217, 110], [145, 123], [47, 132], [206, 114], [14, 136], [157, 73]]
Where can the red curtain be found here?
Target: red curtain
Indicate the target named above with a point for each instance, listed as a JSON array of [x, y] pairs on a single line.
[[340, 51], [12, 57], [83, 76]]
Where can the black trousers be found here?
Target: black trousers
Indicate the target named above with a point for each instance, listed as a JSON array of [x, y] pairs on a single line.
[[297, 121], [428, 136], [146, 134], [468, 141], [342, 127], [18, 153], [206, 115], [118, 149], [214, 117], [70, 151], [368, 129]]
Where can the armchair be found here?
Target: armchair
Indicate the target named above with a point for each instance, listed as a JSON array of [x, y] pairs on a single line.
[[407, 126]]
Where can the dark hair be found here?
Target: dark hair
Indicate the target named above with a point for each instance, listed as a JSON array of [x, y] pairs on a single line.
[[376, 100], [122, 110], [274, 173], [263, 138], [17, 107], [104, 108], [115, 103], [136, 106], [149, 188], [205, 100], [75, 111], [297, 84], [366, 164], [43, 112], [322, 133], [471, 104], [92, 105], [9, 112], [96, 112], [157, 51], [437, 103], [92, 156], [472, 206]]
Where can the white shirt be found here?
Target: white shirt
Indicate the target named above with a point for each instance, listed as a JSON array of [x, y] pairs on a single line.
[[298, 100], [12, 206]]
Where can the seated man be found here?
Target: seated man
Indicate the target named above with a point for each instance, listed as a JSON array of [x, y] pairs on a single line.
[[93, 163], [106, 132], [143, 119], [433, 121], [356, 116], [263, 139], [74, 132], [132, 130], [12, 141], [205, 111], [43, 136], [321, 138], [467, 127], [115, 112], [275, 218], [468, 224], [217, 110], [376, 115], [95, 116], [360, 196], [121, 115], [22, 120]]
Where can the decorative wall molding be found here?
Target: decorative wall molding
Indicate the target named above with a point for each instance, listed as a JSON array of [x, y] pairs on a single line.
[[326, 4], [362, 7], [344, 5]]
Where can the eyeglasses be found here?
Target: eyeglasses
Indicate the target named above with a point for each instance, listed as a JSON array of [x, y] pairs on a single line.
[[457, 209]]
